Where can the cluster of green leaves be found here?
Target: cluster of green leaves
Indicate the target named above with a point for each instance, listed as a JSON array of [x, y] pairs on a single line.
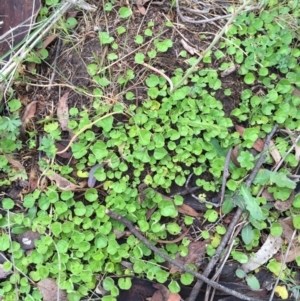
[[262, 46], [158, 143], [9, 142]]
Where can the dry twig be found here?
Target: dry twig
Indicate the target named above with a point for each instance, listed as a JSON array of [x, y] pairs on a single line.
[[138, 235]]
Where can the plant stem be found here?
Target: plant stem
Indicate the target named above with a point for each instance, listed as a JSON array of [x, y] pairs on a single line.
[[86, 128]]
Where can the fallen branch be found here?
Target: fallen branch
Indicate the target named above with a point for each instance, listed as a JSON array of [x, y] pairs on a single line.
[[138, 235]]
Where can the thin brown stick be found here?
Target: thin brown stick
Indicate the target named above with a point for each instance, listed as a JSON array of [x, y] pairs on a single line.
[[225, 175], [58, 47], [238, 213], [138, 235], [86, 128], [160, 73]]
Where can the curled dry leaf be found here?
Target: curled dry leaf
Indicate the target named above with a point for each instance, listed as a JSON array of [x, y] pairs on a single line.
[[234, 155], [46, 43], [287, 227], [229, 70], [140, 6], [274, 152], [16, 164], [296, 92], [179, 238], [100, 290], [29, 113], [268, 249], [188, 48], [119, 233], [63, 112], [287, 233], [294, 252], [297, 147], [61, 182], [33, 178], [50, 291], [4, 274], [187, 210]]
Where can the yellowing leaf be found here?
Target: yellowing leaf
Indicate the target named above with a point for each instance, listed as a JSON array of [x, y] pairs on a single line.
[[281, 291]]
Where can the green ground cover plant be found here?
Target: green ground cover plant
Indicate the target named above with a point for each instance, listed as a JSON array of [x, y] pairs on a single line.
[[156, 144]]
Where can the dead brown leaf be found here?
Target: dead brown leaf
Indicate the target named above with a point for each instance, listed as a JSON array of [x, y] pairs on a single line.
[[49, 290], [297, 147], [267, 195], [49, 40], [29, 113], [291, 256], [180, 238], [63, 112], [196, 253], [33, 178], [258, 144], [286, 205], [287, 227], [142, 10], [229, 70], [174, 297], [61, 182], [184, 209], [187, 210], [163, 294], [274, 152], [234, 156], [16, 164], [66, 155], [140, 6], [31, 66], [270, 247]]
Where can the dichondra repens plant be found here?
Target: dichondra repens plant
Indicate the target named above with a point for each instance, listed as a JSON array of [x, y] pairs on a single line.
[[142, 151]]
